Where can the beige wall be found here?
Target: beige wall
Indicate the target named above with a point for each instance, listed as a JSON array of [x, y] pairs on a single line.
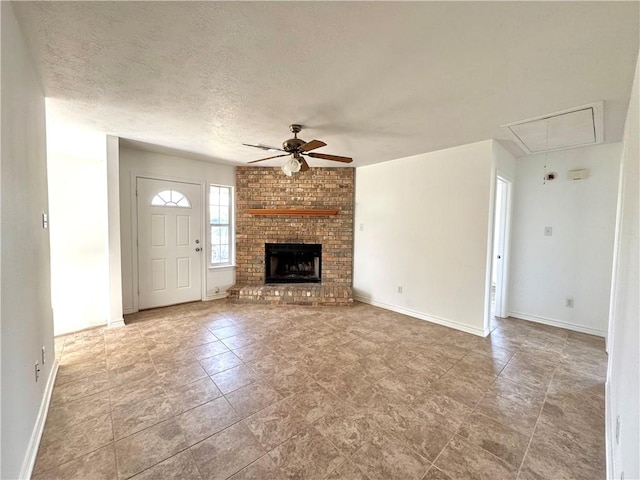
[[423, 223], [26, 316]]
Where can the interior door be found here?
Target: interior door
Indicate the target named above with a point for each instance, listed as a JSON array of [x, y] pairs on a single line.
[[169, 242], [498, 276]]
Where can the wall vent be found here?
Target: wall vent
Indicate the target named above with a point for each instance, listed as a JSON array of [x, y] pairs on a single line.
[[575, 127]]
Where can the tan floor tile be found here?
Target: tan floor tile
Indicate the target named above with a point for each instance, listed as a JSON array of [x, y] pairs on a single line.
[[288, 381], [461, 460], [557, 454], [423, 432], [75, 371], [180, 466], [80, 388], [314, 402], [385, 458], [503, 442], [581, 416], [276, 423], [220, 456], [383, 389], [307, 455], [67, 414], [97, 465], [61, 445], [566, 381], [435, 474], [186, 397], [134, 392], [207, 419], [347, 429], [133, 417], [220, 363], [131, 373], [261, 469], [238, 341], [207, 350], [149, 447], [459, 389], [442, 409], [182, 375], [518, 415], [256, 396], [347, 471], [234, 378]]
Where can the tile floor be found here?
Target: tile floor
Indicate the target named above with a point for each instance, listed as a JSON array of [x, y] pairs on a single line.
[[216, 391]]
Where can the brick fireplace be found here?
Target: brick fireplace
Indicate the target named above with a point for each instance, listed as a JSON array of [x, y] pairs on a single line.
[[324, 201]]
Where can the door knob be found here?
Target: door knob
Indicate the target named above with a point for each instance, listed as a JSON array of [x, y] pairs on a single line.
[[198, 249]]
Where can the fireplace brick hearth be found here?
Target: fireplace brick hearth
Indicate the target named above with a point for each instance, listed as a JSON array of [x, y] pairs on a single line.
[[268, 188]]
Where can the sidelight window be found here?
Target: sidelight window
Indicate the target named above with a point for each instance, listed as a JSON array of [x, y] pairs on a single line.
[[220, 214]]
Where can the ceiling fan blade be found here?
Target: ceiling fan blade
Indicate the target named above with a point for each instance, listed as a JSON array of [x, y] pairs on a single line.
[[312, 145], [268, 158], [264, 147], [304, 166], [335, 158]]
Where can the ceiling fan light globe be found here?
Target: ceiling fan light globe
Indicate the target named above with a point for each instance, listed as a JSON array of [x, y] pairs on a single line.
[[294, 165], [286, 170]]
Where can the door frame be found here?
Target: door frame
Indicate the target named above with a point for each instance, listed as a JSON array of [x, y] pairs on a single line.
[[134, 229], [502, 309]]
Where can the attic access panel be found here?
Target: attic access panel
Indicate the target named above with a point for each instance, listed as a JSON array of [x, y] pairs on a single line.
[[571, 128]]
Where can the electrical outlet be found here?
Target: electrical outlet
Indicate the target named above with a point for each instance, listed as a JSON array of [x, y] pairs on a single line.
[[618, 430], [569, 302], [362, 227], [399, 289], [44, 357], [548, 231], [37, 371]]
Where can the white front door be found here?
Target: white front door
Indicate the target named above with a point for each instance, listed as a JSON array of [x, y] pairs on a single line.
[[169, 242]]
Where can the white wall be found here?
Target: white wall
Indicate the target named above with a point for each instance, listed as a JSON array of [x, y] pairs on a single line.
[[623, 379], [576, 260], [423, 223], [112, 172], [77, 165], [149, 163], [26, 315]]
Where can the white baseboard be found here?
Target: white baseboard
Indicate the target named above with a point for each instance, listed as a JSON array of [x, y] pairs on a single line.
[[215, 296], [423, 316], [36, 435], [558, 323], [119, 322]]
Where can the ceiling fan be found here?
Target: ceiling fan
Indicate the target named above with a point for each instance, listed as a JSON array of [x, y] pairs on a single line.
[[296, 147]]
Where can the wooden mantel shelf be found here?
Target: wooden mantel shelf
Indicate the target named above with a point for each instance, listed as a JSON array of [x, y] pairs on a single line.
[[292, 212]]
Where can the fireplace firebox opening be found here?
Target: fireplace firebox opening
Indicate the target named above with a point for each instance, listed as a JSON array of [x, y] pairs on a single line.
[[293, 263]]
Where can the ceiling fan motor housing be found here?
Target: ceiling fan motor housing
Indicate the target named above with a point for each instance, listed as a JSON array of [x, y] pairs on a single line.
[[292, 145]]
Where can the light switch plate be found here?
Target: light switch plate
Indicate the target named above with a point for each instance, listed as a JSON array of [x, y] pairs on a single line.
[[548, 231], [45, 221]]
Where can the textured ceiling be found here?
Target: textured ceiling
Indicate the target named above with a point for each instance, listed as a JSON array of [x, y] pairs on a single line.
[[374, 80]]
